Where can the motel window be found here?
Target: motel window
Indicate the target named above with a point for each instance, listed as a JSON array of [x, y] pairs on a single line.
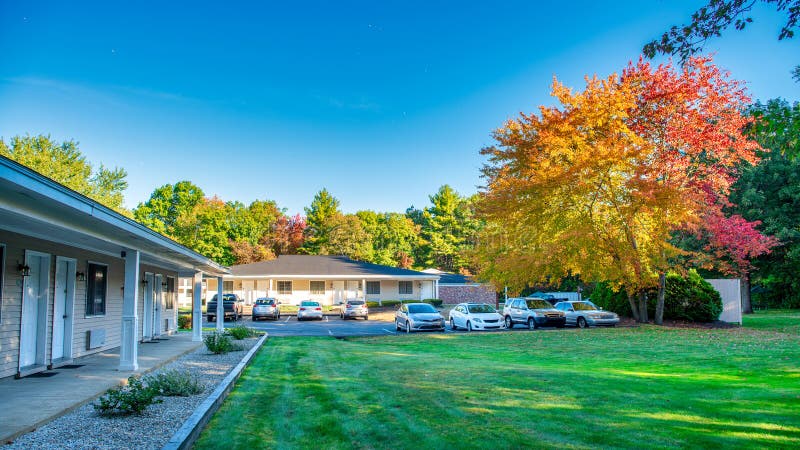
[[97, 281], [405, 287], [227, 286], [169, 300], [317, 287], [373, 287], [284, 287]]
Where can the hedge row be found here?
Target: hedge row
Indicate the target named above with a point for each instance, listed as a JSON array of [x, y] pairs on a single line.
[[432, 301]]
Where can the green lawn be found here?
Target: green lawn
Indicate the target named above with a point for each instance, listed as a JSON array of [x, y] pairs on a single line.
[[624, 387]]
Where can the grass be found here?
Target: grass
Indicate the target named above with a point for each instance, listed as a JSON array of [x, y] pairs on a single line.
[[624, 387]]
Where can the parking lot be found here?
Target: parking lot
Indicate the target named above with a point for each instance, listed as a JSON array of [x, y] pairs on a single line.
[[336, 327]]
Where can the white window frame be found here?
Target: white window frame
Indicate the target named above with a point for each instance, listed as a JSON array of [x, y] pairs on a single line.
[[371, 284], [89, 274], [313, 291], [400, 289], [284, 291]]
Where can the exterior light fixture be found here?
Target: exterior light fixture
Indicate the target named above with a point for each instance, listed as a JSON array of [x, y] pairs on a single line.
[[80, 276], [24, 270], [144, 281]]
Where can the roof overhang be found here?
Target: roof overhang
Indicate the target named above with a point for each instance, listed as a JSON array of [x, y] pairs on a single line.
[[34, 205], [372, 277]]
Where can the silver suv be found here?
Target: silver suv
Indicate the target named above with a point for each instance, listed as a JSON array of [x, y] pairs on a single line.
[[354, 308], [533, 312]]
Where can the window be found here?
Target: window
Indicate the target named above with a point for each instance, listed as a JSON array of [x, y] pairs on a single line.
[[317, 287], [97, 280], [169, 298], [284, 287], [405, 287], [227, 286], [373, 287]]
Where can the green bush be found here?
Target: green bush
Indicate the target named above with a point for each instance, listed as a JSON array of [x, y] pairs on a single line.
[[241, 332], [685, 298], [174, 383], [691, 298], [184, 322], [433, 301], [123, 400], [219, 343], [371, 304]]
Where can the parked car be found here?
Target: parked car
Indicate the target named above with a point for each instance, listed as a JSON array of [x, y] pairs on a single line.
[[475, 316], [583, 314], [354, 308], [417, 317], [309, 310], [533, 312], [232, 304], [266, 307]]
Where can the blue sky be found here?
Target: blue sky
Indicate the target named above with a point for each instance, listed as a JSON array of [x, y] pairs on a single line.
[[379, 102]]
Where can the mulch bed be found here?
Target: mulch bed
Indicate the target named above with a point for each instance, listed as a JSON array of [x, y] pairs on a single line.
[[629, 322]]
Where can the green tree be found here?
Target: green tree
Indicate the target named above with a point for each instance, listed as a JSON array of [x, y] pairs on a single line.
[[320, 221], [168, 202], [394, 237], [206, 229], [346, 236], [65, 164], [448, 229], [711, 20], [770, 192]]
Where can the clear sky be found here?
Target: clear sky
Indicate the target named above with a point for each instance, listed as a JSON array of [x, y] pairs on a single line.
[[381, 102]]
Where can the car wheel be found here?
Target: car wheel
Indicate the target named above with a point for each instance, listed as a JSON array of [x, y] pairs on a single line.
[[509, 322], [366, 317], [469, 326], [453, 324], [278, 316], [531, 323], [581, 322], [396, 326], [408, 327]]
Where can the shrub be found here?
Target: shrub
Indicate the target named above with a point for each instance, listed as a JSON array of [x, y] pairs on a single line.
[[185, 322], [219, 343], [691, 298], [241, 332], [372, 304], [174, 383], [131, 399], [433, 301], [604, 297]]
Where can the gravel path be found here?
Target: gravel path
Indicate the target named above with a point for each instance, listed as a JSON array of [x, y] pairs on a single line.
[[84, 429]]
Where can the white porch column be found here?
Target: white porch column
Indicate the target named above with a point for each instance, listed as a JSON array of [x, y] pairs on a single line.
[[436, 289], [129, 349], [197, 307], [269, 292], [220, 307], [364, 288]]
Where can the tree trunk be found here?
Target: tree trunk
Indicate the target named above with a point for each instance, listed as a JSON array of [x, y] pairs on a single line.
[[634, 309], [643, 307], [662, 285], [747, 305]]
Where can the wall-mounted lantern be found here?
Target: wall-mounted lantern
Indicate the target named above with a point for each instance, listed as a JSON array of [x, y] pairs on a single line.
[[24, 270], [80, 276]]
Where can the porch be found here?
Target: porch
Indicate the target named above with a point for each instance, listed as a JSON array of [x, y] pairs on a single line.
[[34, 400]]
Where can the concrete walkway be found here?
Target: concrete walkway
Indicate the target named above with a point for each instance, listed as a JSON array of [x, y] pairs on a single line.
[[30, 402]]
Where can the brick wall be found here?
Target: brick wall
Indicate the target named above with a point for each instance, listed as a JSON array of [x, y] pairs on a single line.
[[451, 295]]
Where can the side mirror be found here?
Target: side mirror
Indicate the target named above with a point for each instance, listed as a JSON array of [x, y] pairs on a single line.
[[571, 310], [600, 308]]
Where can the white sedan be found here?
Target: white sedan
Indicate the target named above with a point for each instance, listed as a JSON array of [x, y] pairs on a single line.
[[475, 316]]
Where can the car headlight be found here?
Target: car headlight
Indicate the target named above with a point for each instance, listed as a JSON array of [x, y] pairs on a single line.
[[479, 320], [595, 316]]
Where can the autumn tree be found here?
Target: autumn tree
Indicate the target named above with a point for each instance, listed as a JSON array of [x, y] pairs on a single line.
[[65, 164], [287, 235], [595, 188], [393, 237]]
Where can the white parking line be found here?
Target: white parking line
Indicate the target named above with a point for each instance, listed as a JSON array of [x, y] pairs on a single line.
[[330, 332], [388, 331], [288, 319], [326, 318]]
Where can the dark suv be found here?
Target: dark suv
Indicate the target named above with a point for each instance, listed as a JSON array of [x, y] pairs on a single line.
[[232, 304]]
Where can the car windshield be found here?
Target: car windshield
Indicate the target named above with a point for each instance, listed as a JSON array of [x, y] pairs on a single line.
[[355, 302], [580, 306], [482, 308], [265, 301], [538, 304], [420, 309], [309, 304]]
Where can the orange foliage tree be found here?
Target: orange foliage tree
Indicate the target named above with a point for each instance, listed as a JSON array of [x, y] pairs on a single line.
[[597, 186]]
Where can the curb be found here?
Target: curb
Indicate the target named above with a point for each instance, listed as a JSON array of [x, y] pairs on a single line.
[[10, 438], [188, 433]]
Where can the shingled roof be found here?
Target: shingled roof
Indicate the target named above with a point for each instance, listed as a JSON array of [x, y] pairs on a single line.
[[308, 266]]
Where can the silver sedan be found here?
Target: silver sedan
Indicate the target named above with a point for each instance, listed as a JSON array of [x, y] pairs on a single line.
[[309, 310], [583, 314], [417, 317]]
